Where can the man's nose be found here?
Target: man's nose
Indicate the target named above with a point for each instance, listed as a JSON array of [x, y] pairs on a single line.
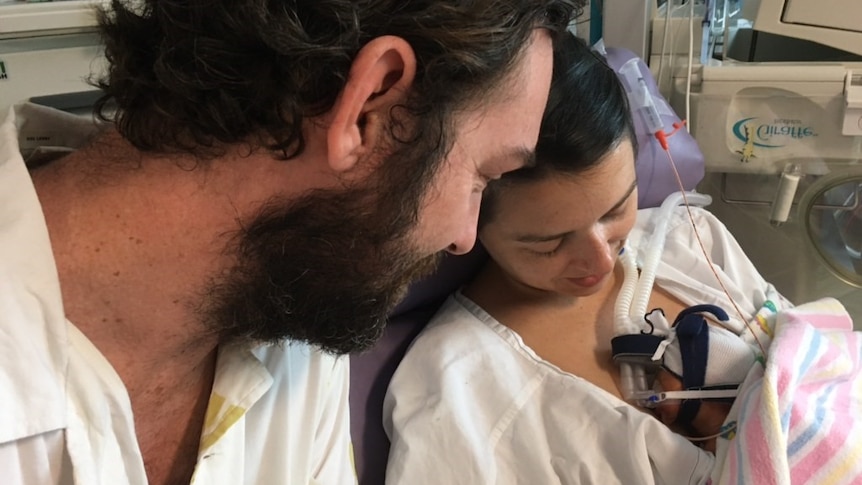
[[465, 240], [465, 235]]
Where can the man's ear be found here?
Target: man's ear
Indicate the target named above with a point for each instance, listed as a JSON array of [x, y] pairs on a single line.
[[381, 74]]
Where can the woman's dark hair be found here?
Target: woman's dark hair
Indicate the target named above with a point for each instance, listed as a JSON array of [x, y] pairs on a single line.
[[193, 76], [587, 116]]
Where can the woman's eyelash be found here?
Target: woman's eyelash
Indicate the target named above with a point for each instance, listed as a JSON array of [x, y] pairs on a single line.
[[546, 254]]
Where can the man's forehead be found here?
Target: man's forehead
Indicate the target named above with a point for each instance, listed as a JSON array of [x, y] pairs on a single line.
[[507, 158]]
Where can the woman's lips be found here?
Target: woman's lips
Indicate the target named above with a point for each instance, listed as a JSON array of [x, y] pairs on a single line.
[[587, 281]]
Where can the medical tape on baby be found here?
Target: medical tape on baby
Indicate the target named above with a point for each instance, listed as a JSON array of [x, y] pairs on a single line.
[[659, 352]]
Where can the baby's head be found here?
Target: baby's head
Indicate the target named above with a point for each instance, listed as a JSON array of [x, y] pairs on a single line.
[[703, 356]]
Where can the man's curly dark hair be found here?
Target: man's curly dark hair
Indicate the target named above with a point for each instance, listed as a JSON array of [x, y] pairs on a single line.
[[196, 75]]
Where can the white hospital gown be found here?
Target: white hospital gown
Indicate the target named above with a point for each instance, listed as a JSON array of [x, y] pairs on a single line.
[[276, 414], [472, 404]]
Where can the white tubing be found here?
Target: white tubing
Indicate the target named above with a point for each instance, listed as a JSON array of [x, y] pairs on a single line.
[[656, 246], [623, 325], [634, 294]]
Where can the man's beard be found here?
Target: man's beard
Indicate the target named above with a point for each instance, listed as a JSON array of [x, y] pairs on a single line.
[[326, 270]]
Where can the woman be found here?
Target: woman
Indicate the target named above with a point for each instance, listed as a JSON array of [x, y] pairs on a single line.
[[513, 381]]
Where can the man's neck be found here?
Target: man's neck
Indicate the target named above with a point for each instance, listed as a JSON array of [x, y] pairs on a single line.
[[132, 255], [138, 238]]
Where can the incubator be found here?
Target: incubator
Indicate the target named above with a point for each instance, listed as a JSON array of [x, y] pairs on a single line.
[[772, 92]]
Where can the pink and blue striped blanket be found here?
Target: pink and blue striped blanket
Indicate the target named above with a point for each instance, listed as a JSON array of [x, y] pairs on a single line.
[[798, 419]]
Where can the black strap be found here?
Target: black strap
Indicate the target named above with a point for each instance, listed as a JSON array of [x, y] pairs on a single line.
[[635, 348]]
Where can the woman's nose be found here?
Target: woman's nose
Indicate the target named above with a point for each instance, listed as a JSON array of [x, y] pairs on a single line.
[[602, 254]]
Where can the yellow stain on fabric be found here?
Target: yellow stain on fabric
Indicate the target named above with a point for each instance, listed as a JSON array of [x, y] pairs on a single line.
[[219, 420], [353, 460]]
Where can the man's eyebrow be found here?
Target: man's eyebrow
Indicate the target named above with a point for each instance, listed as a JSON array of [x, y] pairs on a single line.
[[535, 238]]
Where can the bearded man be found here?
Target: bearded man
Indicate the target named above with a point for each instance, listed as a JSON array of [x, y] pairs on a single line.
[[264, 181]]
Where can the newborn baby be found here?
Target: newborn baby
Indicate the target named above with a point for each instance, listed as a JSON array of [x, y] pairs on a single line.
[[709, 363]]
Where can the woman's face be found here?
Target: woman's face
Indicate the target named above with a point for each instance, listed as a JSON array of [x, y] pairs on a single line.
[[563, 234]]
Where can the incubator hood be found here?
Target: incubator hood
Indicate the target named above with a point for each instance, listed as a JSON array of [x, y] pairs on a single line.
[[48, 51]]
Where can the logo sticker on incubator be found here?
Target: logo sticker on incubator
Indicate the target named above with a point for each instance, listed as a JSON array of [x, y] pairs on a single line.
[[3, 74], [773, 134], [754, 133]]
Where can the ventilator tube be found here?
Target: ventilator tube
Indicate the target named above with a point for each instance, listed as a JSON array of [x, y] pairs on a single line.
[[634, 294], [656, 247]]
